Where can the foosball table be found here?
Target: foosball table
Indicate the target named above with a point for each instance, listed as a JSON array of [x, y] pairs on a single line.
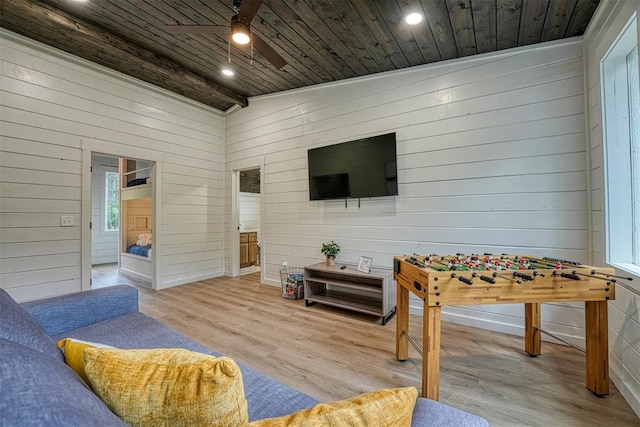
[[502, 279]]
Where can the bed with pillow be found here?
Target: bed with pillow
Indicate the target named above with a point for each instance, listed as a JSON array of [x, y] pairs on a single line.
[[136, 261], [142, 247]]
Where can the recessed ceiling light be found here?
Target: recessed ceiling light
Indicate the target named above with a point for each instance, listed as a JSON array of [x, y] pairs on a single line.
[[413, 18], [227, 72]]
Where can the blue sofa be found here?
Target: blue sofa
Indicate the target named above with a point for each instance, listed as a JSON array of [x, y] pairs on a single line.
[[38, 389]]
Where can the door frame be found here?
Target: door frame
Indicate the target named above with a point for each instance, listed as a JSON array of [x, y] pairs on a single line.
[[234, 224], [94, 146]]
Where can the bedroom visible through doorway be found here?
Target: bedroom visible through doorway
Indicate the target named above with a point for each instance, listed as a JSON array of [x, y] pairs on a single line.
[[121, 219]]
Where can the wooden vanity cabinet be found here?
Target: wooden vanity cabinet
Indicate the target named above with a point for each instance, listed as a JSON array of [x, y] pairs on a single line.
[[248, 249]]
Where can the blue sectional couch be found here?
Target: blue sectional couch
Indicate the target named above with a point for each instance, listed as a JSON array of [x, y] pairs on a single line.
[[38, 389]]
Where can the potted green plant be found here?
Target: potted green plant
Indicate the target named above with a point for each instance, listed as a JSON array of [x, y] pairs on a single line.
[[330, 251]]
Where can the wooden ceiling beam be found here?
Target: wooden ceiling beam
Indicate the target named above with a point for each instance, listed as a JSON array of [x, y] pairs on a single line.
[[113, 52]]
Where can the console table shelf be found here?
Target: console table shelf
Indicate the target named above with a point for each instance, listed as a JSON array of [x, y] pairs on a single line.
[[370, 293], [346, 284]]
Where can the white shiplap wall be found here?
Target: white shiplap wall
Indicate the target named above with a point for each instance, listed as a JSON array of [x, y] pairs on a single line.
[[624, 312], [52, 105], [491, 158], [104, 244]]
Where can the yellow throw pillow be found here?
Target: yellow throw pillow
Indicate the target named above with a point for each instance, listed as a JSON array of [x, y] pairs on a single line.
[[73, 350], [382, 408], [168, 387]]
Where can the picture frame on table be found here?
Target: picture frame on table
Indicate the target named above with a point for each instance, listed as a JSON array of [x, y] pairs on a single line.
[[365, 264]]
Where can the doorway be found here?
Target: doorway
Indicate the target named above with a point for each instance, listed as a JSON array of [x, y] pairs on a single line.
[[249, 225], [121, 215]]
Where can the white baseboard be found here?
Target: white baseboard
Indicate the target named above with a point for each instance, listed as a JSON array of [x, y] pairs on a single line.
[[250, 269], [190, 279], [626, 383], [271, 282]]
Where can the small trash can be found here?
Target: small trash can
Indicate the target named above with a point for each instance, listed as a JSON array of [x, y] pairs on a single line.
[[292, 279]]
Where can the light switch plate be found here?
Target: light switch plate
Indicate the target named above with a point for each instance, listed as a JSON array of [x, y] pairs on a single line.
[[66, 221]]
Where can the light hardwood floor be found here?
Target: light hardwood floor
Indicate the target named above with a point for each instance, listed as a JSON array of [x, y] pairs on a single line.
[[333, 354], [104, 275]]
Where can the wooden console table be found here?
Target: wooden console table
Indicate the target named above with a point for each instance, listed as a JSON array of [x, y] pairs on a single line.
[[438, 287], [349, 288]]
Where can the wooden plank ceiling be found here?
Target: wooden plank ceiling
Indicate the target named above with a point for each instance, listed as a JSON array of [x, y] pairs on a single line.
[[321, 40]]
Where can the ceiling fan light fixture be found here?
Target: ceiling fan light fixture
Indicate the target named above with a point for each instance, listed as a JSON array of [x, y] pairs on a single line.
[[227, 72], [240, 33]]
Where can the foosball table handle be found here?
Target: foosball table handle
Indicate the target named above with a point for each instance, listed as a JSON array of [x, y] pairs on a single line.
[[488, 279], [462, 279]]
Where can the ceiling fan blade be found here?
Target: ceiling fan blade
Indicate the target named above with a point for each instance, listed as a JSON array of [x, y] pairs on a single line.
[[197, 29], [267, 51], [248, 9]]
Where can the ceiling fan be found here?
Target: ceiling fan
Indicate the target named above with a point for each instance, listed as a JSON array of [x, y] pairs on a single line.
[[239, 30]]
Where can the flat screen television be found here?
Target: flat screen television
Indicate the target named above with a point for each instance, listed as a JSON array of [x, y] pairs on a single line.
[[362, 168]]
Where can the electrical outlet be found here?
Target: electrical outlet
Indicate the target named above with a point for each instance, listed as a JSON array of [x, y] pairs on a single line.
[[284, 263], [66, 221]]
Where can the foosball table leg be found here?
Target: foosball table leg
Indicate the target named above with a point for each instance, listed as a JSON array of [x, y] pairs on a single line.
[[431, 353], [402, 323], [531, 329], [597, 337]]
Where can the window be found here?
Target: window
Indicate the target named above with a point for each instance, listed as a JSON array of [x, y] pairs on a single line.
[[112, 202], [621, 126]]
